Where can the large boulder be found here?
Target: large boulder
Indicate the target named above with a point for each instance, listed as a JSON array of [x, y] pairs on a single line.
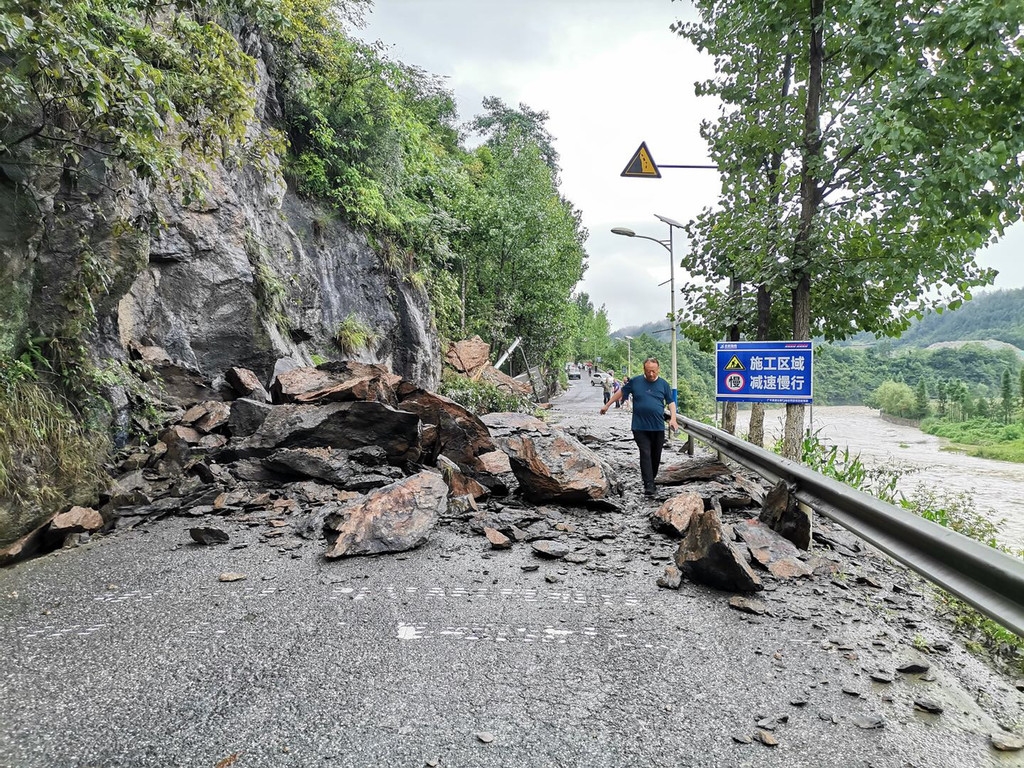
[[777, 554], [707, 555], [551, 465], [459, 435], [782, 512], [690, 470], [674, 516], [336, 425], [339, 381], [395, 518], [468, 356]]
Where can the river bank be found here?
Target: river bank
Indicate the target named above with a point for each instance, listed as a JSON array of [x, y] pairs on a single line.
[[997, 487]]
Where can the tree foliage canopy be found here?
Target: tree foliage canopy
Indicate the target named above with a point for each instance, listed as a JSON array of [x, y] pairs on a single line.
[[138, 82], [877, 184]]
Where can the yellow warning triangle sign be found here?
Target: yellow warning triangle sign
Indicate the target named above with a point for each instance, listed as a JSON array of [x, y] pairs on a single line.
[[734, 365], [642, 164]]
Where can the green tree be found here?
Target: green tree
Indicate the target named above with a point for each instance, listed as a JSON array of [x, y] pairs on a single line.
[[523, 249], [1021, 391], [894, 398], [86, 87], [921, 405], [1006, 399], [897, 156]]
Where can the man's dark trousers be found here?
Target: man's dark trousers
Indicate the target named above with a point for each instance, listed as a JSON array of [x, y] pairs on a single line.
[[650, 445]]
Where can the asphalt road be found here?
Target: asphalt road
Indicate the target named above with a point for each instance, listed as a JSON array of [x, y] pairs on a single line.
[[129, 651]]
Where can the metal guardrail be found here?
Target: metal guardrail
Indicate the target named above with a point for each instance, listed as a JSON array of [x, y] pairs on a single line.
[[990, 580]]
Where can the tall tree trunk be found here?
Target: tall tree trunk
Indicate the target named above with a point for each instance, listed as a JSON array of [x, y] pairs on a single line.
[[764, 315], [810, 202], [755, 434], [462, 303], [729, 411]]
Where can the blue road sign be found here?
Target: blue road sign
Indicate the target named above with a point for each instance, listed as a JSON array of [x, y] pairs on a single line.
[[764, 371]]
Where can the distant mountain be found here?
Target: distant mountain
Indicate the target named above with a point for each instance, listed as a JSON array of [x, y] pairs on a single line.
[[997, 316], [988, 317], [660, 329]]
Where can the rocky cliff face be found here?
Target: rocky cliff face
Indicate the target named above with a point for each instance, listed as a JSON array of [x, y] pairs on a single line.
[[95, 262], [251, 274]]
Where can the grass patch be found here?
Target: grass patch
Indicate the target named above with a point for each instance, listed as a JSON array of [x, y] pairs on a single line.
[[984, 438], [49, 457], [353, 335]]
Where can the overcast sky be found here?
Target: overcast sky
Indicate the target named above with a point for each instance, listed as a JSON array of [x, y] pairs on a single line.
[[610, 74]]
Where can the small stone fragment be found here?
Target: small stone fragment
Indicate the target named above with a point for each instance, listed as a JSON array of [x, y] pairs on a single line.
[[882, 676], [928, 705], [914, 668], [208, 536], [1006, 742], [745, 605], [869, 722], [432, 762], [801, 702], [485, 736], [671, 579], [851, 691], [550, 548], [529, 568], [497, 538], [766, 738], [742, 738], [232, 576]]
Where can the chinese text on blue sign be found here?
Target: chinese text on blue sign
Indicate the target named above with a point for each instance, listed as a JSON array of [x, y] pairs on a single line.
[[763, 371]]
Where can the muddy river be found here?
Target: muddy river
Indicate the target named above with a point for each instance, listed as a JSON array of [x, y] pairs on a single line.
[[996, 486]]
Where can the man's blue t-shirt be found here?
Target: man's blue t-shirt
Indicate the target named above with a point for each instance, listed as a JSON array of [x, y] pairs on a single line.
[[649, 401]]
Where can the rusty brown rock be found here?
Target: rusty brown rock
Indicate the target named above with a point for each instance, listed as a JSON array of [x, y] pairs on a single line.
[[504, 382], [497, 538], [26, 546], [245, 383], [77, 520], [459, 484], [674, 515], [469, 355], [493, 463], [341, 381], [395, 518], [551, 465]]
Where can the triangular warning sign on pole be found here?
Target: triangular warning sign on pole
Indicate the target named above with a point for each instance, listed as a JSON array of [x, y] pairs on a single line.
[[734, 364], [642, 165]]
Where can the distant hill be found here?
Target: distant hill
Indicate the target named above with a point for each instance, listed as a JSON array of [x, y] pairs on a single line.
[[989, 318], [997, 316], [660, 329], [987, 343]]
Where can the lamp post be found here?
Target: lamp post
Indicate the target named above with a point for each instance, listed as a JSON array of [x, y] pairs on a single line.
[[667, 245], [629, 355]]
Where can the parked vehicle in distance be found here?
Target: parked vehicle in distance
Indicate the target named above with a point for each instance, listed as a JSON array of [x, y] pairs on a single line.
[[598, 378], [574, 373]]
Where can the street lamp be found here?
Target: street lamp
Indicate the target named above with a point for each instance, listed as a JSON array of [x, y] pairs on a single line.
[[667, 245], [629, 355]]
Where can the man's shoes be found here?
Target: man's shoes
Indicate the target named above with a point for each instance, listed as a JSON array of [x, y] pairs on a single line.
[[649, 490]]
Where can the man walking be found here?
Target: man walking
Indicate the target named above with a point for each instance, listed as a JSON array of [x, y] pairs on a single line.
[[651, 394]]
